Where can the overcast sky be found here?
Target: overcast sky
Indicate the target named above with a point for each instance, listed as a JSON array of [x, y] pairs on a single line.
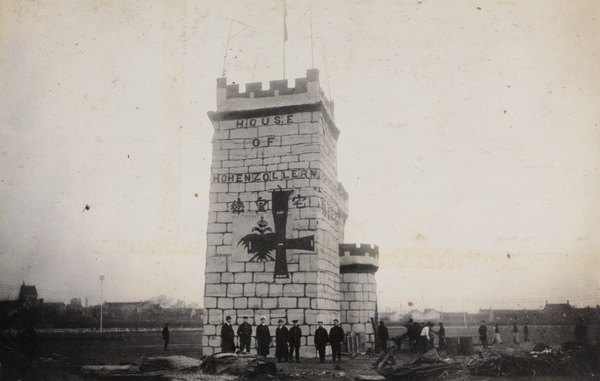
[[469, 144]]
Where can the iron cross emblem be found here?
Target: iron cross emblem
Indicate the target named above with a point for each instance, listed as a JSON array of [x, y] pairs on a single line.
[[262, 244]]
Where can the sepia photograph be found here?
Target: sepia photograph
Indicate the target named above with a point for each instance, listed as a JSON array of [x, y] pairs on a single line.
[[299, 189]]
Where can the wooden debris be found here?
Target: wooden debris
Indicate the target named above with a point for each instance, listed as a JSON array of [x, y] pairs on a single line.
[[522, 365], [419, 371]]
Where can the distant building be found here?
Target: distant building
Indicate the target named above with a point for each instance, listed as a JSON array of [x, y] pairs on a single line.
[[28, 296], [510, 315], [559, 312], [130, 310], [453, 318], [16, 312], [393, 316], [429, 314]]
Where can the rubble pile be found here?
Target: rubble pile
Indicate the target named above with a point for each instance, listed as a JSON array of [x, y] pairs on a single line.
[[150, 367], [515, 365], [237, 364], [393, 366], [169, 363], [542, 361]]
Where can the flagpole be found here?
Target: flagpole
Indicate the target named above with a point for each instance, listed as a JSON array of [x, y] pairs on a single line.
[[255, 61], [312, 51], [227, 47], [229, 38], [326, 72], [284, 34]]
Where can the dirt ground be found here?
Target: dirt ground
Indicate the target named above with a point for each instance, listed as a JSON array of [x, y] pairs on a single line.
[[62, 357]]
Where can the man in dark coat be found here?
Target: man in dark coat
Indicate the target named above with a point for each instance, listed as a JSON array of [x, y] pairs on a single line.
[[166, 335], [414, 332], [295, 335], [281, 342], [227, 344], [483, 334], [263, 338], [383, 334], [321, 339], [336, 338], [245, 335], [441, 336]]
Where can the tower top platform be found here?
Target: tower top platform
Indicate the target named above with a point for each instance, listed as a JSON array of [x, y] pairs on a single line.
[[356, 258], [306, 95]]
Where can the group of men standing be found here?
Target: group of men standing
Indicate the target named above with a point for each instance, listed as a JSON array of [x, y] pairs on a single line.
[[244, 332], [420, 336], [287, 342], [335, 338], [285, 337]]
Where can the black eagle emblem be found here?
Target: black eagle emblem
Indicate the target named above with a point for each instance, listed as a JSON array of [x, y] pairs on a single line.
[[260, 245]]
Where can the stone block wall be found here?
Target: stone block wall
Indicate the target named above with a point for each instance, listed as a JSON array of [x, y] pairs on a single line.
[[263, 142], [358, 264]]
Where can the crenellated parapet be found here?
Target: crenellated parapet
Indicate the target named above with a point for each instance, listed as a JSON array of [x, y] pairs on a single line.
[[356, 258], [305, 96], [309, 87]]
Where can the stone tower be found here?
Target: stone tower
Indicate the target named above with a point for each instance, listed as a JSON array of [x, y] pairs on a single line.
[[277, 212]]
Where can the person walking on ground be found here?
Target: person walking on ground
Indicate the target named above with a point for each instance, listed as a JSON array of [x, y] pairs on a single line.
[[515, 333], [263, 338], [526, 332], [166, 335], [245, 335], [321, 339], [441, 336], [483, 334], [227, 344], [295, 334], [425, 337], [383, 334], [581, 332], [497, 339], [281, 341], [336, 338]]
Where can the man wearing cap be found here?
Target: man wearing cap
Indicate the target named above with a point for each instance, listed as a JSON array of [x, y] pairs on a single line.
[[263, 338], [321, 339], [227, 344], [245, 335], [336, 338], [295, 335], [281, 338]]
